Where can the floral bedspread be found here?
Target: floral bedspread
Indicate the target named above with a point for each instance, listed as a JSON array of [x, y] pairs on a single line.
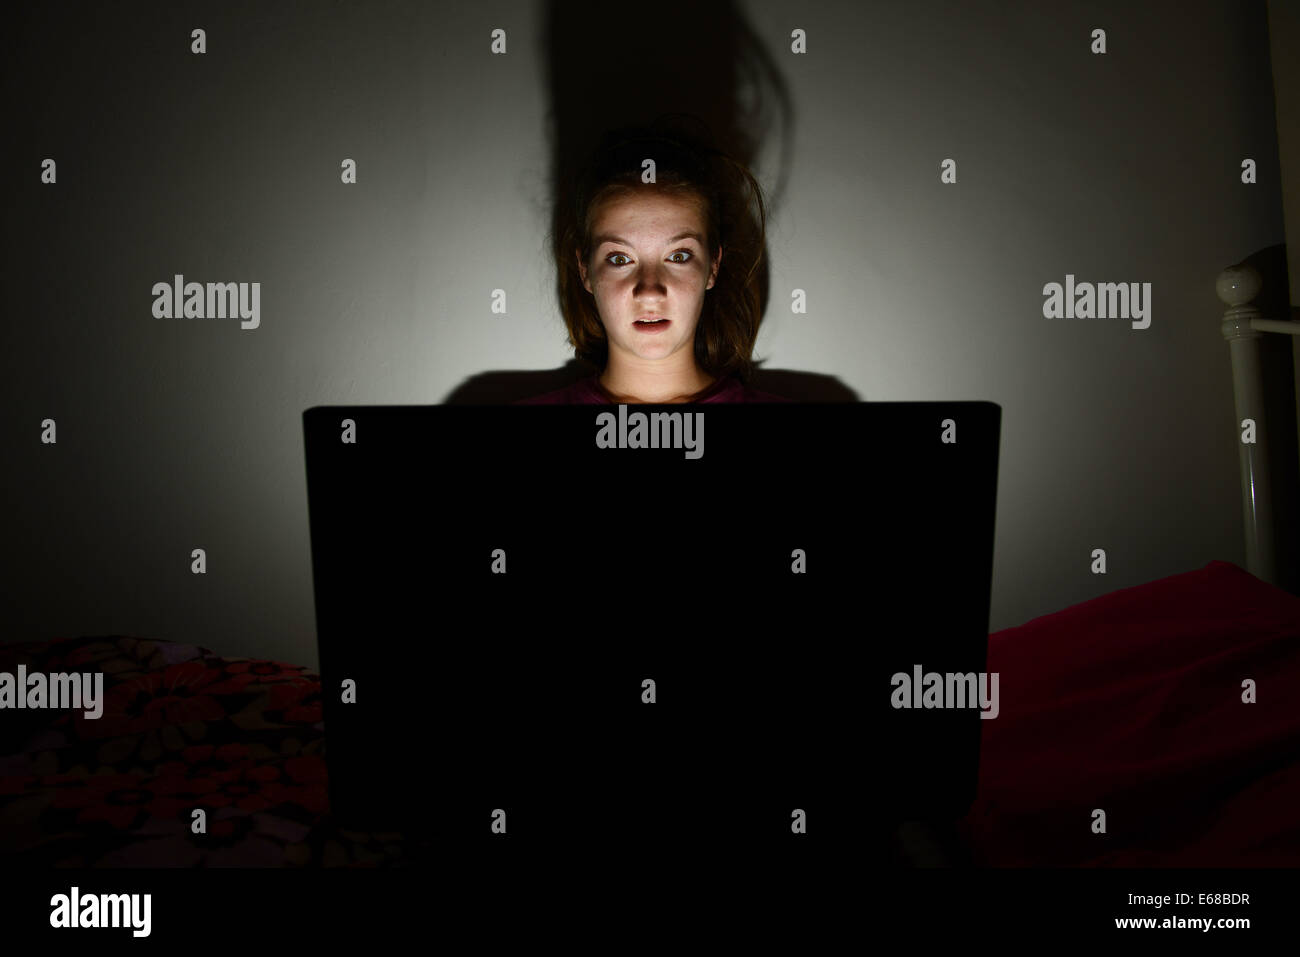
[[182, 728]]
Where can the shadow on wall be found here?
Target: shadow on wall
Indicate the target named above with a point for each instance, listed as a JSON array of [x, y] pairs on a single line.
[[717, 72]]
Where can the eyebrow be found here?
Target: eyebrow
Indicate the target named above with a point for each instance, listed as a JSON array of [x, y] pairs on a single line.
[[606, 238]]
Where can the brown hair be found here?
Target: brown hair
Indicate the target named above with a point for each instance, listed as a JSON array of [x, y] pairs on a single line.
[[684, 166]]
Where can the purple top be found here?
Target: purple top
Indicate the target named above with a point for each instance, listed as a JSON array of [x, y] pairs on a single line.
[[589, 391]]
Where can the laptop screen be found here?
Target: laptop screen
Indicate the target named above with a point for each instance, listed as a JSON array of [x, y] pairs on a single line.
[[621, 625]]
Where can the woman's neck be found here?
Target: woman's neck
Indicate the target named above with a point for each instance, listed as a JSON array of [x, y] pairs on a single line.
[[654, 388]]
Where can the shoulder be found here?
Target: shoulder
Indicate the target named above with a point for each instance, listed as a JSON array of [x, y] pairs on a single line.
[[733, 391], [753, 395]]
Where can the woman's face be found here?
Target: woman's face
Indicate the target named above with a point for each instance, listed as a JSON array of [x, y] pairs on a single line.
[[649, 260]]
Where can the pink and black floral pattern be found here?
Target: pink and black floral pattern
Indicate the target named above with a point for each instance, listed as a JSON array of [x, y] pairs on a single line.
[[182, 728]]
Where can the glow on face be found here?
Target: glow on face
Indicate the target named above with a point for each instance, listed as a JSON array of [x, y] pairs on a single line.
[[649, 259]]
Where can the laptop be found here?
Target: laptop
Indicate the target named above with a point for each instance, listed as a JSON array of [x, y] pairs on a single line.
[[652, 628]]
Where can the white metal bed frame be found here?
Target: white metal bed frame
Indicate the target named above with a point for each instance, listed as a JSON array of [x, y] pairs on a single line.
[[1243, 327]]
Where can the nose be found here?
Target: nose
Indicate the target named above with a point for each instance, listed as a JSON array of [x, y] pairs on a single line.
[[650, 278]]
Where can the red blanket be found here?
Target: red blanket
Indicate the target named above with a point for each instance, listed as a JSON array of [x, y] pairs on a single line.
[[1132, 703]]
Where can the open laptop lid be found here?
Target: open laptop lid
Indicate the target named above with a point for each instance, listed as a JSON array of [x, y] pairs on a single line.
[[726, 622]]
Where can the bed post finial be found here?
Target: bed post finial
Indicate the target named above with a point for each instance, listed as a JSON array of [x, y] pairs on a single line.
[[1237, 286]]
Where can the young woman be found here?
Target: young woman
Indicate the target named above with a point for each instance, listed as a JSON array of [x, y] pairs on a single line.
[[656, 280]]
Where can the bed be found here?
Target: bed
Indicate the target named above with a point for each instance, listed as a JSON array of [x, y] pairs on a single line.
[[1169, 706]]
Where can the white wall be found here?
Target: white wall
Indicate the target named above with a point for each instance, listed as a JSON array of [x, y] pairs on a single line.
[[225, 167]]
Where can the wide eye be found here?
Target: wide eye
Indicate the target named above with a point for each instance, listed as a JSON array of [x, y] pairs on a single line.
[[681, 252]]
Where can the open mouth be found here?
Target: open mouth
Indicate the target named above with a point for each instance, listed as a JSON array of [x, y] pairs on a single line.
[[650, 325]]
